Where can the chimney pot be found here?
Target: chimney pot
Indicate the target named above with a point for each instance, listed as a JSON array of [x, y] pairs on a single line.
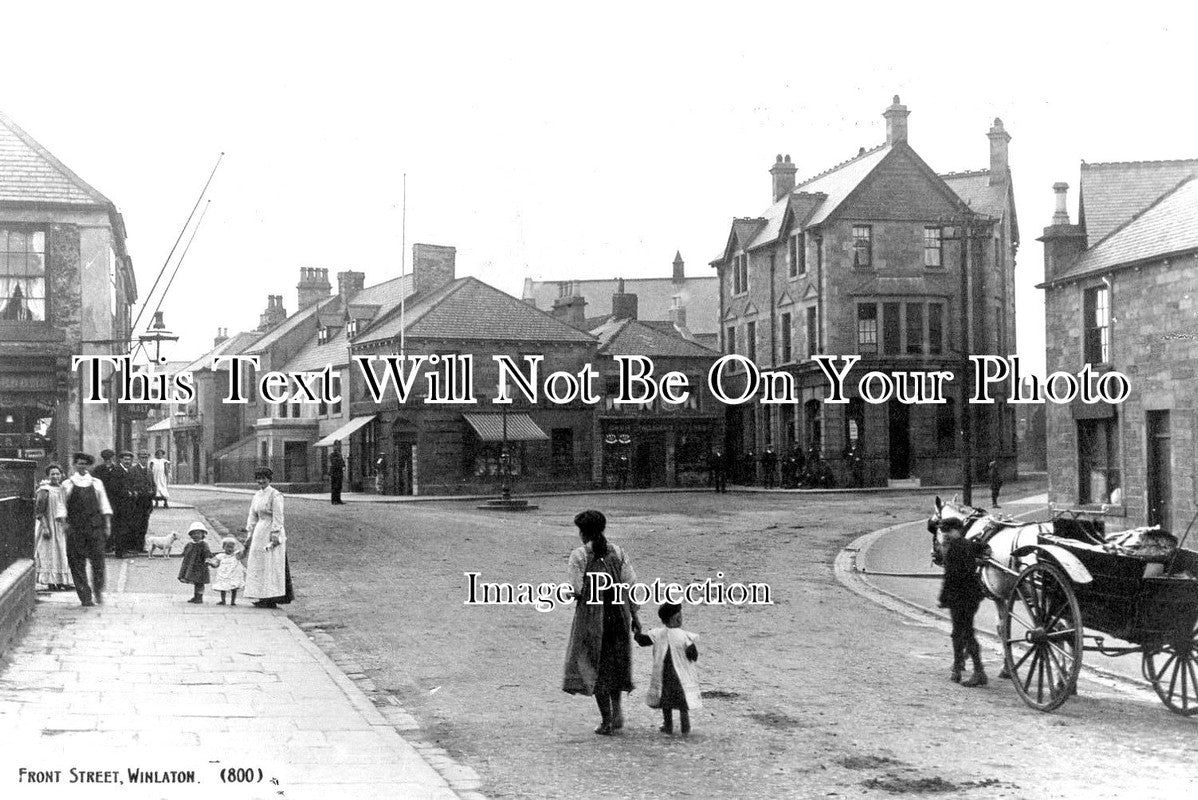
[[999, 152], [1061, 214], [782, 176]]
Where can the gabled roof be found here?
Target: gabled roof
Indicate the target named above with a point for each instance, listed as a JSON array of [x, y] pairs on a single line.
[[289, 324], [975, 190], [618, 337], [29, 173], [655, 296], [235, 345], [1114, 192], [469, 309], [840, 181], [1170, 225], [314, 356]]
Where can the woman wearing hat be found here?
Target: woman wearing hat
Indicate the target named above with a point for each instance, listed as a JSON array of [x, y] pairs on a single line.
[[267, 575]]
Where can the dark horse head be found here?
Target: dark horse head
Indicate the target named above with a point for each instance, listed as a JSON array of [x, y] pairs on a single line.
[[952, 510]]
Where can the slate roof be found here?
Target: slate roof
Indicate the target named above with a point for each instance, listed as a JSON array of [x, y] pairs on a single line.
[[1170, 225], [289, 324], [467, 308], [1114, 192], [29, 173], [632, 337], [314, 356], [235, 345], [654, 297]]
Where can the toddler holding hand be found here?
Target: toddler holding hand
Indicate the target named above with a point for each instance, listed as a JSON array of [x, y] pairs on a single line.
[[196, 555], [675, 681], [230, 572]]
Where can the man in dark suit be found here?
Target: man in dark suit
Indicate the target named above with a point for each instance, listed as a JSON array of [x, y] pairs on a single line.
[[718, 470], [143, 501], [120, 486], [103, 473], [336, 474]]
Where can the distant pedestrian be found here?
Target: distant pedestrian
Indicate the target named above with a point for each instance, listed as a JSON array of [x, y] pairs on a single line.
[[599, 655], [143, 491], [380, 473], [230, 572], [160, 474], [675, 681], [769, 464], [196, 555], [88, 517], [718, 469], [50, 548], [962, 593], [336, 474], [995, 482]]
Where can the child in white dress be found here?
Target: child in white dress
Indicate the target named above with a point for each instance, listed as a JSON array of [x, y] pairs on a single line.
[[230, 572], [675, 681]]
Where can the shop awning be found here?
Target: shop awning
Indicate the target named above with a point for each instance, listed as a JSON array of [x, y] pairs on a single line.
[[520, 427], [344, 431], [178, 422]]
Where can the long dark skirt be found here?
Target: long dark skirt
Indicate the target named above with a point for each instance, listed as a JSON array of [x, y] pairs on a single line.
[[600, 651]]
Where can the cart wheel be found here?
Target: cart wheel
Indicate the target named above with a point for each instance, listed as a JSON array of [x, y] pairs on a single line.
[[1172, 669], [1042, 636]]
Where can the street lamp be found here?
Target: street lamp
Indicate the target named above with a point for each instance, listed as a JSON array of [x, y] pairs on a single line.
[[157, 333], [505, 502]]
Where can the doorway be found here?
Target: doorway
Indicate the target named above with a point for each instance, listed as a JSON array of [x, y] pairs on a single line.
[[295, 462], [900, 440], [1159, 471]]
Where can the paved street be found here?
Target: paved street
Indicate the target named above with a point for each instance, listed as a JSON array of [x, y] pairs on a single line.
[[821, 694]]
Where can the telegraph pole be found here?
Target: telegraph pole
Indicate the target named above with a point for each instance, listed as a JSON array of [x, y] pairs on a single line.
[[966, 351]]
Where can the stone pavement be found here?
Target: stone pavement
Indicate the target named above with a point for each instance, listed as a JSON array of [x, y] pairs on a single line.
[[149, 682]]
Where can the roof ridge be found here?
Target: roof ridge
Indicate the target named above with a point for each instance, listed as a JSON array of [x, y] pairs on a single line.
[[968, 173], [832, 169], [1087, 165], [1134, 217], [54, 162]]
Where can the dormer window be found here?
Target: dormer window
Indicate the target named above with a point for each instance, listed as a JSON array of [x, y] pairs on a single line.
[[351, 328], [322, 335]]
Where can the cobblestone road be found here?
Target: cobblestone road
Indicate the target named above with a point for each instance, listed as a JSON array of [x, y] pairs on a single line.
[[822, 694]]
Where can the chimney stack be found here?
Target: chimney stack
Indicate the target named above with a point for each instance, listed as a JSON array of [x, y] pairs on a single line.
[[570, 307], [222, 336], [999, 166], [1063, 242], [274, 313], [433, 266], [679, 267], [623, 305], [313, 286], [783, 174], [678, 312], [349, 284], [896, 122]]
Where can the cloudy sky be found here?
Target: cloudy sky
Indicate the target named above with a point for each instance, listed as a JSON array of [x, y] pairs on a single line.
[[547, 141]]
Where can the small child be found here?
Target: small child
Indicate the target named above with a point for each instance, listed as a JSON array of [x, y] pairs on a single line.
[[675, 681], [230, 572], [194, 569]]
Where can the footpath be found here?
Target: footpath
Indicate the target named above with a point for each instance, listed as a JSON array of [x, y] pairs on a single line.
[[148, 696]]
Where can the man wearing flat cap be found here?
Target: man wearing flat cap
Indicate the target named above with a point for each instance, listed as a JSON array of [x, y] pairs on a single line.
[[87, 515], [122, 492], [103, 472]]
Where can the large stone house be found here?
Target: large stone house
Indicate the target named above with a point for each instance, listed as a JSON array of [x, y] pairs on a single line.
[[66, 288], [1121, 293], [879, 257]]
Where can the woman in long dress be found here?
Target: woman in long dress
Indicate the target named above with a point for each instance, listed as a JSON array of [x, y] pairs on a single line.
[[50, 550], [267, 574], [599, 656], [159, 466]]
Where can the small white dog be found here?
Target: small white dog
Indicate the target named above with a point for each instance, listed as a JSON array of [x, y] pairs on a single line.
[[162, 543]]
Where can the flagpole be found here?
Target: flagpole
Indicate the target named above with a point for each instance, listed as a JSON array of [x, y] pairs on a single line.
[[403, 259]]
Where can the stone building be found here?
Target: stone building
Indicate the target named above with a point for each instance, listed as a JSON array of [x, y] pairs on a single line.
[[1121, 293], [880, 257], [656, 443], [690, 302], [455, 449], [66, 288]]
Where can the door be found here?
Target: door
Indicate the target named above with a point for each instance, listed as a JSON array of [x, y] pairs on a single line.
[[1159, 472], [900, 440], [295, 462]]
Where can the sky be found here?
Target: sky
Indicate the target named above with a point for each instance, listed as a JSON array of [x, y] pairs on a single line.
[[551, 141]]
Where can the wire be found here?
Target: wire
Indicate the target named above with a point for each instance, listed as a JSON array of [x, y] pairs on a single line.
[[178, 239], [179, 263]]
